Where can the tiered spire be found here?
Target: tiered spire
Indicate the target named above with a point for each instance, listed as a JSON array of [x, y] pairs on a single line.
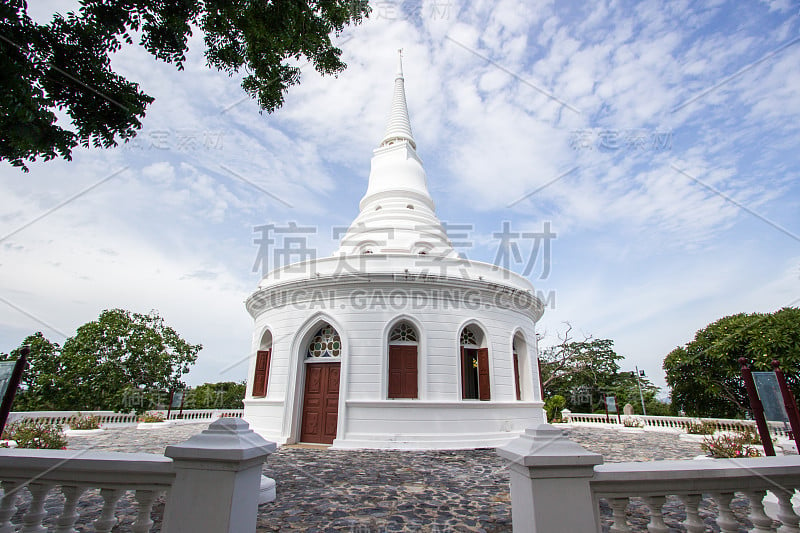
[[399, 126], [397, 212]]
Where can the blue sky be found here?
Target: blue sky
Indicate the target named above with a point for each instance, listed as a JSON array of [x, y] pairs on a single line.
[[658, 140]]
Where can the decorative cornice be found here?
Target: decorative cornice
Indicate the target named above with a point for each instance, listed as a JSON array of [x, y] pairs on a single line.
[[401, 290]]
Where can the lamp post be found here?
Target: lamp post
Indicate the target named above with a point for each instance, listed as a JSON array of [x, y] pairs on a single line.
[[639, 384]]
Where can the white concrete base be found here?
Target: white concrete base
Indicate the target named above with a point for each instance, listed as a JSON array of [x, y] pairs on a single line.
[[153, 425], [688, 437], [10, 443], [266, 493], [666, 430], [420, 425], [79, 432], [631, 430]]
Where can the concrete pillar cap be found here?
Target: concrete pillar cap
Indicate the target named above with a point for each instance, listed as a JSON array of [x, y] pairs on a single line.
[[546, 446], [227, 439]]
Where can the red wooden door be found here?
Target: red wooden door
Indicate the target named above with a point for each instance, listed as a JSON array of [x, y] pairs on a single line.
[[464, 373], [483, 374], [516, 377], [262, 373], [402, 371], [320, 403]]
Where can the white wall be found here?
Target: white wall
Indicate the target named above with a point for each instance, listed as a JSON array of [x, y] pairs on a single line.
[[362, 310]]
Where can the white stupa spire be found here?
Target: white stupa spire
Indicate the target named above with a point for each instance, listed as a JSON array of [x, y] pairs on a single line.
[[398, 128], [397, 212]]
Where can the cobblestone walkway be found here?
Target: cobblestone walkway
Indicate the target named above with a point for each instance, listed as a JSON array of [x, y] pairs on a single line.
[[381, 491]]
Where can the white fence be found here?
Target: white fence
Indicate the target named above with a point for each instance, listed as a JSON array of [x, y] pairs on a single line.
[[212, 483], [112, 419], [777, 429], [556, 485]]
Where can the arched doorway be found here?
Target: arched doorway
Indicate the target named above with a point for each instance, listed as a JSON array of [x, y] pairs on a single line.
[[321, 393], [263, 359], [403, 351], [474, 365]]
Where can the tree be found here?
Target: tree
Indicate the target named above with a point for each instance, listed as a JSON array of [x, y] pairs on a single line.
[[705, 374], [583, 372], [223, 395], [38, 385], [66, 64], [119, 357]]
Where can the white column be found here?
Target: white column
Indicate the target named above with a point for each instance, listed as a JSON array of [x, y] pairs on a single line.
[[217, 479], [550, 477]]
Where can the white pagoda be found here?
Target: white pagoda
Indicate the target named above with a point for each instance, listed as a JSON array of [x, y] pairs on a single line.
[[394, 341]]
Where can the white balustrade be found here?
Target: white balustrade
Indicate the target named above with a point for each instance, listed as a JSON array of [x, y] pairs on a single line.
[[201, 477], [112, 419], [543, 457], [777, 429]]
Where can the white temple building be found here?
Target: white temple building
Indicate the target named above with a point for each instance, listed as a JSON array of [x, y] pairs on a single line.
[[394, 341]]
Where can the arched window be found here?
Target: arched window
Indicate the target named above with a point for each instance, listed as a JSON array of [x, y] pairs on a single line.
[[403, 351], [325, 344], [474, 365], [263, 358]]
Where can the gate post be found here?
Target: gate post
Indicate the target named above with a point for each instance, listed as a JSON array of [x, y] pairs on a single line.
[[550, 478], [217, 479]]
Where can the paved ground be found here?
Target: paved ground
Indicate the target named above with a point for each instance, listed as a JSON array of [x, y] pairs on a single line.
[[377, 491]]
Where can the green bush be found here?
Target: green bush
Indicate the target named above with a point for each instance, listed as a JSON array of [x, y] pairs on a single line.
[[36, 433], [701, 428], [553, 407], [84, 422]]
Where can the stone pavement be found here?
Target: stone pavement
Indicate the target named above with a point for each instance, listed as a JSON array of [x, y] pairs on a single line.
[[375, 491]]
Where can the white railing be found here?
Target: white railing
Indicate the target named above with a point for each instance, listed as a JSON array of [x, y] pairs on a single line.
[[204, 414], [556, 485], [721, 479], [777, 429], [73, 472], [201, 477], [113, 419]]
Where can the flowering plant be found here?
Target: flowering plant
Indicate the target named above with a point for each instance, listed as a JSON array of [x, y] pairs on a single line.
[[151, 418], [33, 433], [84, 422], [728, 447], [632, 421]]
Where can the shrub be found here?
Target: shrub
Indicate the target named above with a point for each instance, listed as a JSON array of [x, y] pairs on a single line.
[[701, 428], [151, 418], [84, 422], [632, 422], [553, 407], [728, 447], [35, 433]]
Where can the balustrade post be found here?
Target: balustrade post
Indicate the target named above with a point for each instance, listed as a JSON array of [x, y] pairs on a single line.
[[566, 416], [550, 477], [217, 479]]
